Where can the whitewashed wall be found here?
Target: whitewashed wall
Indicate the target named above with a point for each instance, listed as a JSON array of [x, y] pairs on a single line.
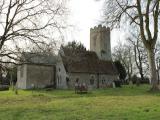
[[61, 74], [21, 76]]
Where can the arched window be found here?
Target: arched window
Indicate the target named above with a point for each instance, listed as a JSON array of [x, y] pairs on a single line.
[[92, 80], [67, 81], [103, 80], [77, 80]]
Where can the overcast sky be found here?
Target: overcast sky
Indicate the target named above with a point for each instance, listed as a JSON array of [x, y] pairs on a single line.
[[84, 15]]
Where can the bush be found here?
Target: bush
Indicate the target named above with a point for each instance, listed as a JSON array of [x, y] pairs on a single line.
[[135, 79], [117, 83], [4, 87]]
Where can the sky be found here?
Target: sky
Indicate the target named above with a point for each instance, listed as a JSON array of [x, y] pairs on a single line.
[[85, 14]]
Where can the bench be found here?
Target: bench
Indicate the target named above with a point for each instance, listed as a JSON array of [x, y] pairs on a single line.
[[81, 89]]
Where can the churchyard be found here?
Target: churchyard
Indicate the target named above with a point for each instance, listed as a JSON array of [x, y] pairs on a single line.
[[126, 103]]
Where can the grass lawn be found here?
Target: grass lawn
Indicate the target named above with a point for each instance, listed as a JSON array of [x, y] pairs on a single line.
[[124, 103]]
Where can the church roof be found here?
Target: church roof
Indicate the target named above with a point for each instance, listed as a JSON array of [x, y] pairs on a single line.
[[86, 62]]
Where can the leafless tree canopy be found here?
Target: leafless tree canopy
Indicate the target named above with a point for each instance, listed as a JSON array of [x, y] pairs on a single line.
[[124, 54], [144, 14], [27, 22]]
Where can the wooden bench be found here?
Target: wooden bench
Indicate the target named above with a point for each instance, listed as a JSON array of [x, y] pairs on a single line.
[[80, 89]]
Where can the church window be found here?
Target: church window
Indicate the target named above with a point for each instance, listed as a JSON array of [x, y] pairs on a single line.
[[92, 80], [103, 80], [77, 80], [67, 81], [102, 52]]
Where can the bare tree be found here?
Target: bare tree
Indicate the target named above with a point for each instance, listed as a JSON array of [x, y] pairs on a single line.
[[157, 54], [139, 54], [124, 54], [145, 15], [26, 22]]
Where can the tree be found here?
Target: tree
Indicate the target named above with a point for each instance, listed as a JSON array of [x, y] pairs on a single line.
[[12, 75], [27, 22], [144, 14], [157, 54], [139, 54], [124, 54], [121, 70], [74, 46]]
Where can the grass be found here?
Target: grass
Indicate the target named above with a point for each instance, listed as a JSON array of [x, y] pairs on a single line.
[[126, 103]]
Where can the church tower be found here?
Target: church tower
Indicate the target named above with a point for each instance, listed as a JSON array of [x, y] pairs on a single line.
[[100, 42]]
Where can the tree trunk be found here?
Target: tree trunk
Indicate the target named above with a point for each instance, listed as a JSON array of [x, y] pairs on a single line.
[[141, 74], [0, 74], [158, 76], [152, 68]]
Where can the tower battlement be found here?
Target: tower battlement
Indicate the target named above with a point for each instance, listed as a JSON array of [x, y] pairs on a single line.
[[100, 28], [100, 42]]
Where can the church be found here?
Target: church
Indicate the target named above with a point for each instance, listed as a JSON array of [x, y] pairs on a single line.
[[94, 68]]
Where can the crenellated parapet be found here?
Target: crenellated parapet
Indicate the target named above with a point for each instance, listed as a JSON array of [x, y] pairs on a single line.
[[100, 28], [100, 42]]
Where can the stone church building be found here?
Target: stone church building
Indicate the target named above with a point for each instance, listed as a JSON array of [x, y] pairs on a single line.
[[93, 68], [38, 70]]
